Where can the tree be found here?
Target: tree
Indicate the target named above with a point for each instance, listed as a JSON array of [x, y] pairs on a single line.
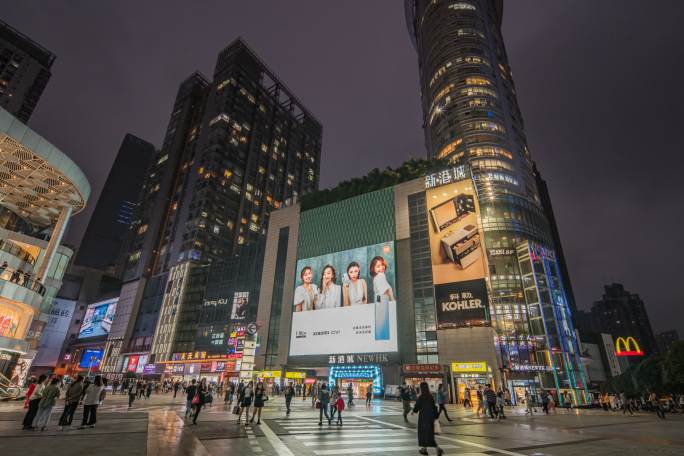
[[648, 374], [674, 367]]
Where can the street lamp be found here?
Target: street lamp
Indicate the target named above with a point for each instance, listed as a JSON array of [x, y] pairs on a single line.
[[90, 364]]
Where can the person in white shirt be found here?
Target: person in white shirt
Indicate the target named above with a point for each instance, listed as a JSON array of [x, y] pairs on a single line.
[[93, 396], [381, 286], [330, 293], [305, 295], [355, 290]]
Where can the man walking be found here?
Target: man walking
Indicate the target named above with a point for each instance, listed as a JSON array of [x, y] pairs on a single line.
[[190, 392], [626, 407], [490, 397], [480, 401], [441, 400], [289, 394], [405, 400], [73, 395], [132, 392]]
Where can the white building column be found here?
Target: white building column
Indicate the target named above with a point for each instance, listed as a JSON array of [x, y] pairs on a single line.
[[53, 244]]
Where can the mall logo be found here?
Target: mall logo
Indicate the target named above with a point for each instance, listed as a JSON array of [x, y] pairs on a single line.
[[300, 334], [461, 301]]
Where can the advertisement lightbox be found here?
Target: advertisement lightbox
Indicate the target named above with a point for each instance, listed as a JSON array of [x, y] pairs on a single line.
[[91, 358], [240, 303], [98, 319], [345, 302], [456, 250]]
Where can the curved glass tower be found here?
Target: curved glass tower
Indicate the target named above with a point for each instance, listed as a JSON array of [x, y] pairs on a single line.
[[471, 116]]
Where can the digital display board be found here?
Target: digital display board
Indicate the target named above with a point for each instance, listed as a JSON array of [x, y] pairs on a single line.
[[91, 358], [240, 303], [98, 319], [456, 251], [345, 302]]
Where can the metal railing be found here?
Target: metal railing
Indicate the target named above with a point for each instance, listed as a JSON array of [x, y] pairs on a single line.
[[17, 251], [8, 389], [21, 278]]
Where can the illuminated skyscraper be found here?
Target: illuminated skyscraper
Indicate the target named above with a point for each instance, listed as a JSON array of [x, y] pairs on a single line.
[[471, 116]]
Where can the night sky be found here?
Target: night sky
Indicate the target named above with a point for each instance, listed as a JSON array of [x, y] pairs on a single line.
[[599, 84]]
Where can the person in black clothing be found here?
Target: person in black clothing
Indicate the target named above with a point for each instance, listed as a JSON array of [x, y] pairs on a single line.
[[289, 394], [190, 392], [176, 387], [405, 395], [427, 414], [490, 397], [33, 402], [200, 399]]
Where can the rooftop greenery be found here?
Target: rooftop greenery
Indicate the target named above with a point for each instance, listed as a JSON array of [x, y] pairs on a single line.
[[376, 179]]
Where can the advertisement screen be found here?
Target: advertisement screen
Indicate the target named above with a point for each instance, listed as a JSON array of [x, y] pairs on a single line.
[[240, 303], [345, 302], [91, 358], [55, 332], [98, 319], [457, 253]]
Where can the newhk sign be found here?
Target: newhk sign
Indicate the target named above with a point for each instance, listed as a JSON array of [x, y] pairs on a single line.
[[627, 346]]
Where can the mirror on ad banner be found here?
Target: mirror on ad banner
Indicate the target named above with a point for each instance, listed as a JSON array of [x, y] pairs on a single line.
[[462, 304], [345, 302]]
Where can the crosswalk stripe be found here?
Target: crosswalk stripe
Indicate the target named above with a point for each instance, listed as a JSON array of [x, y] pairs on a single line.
[[342, 434], [329, 430], [316, 426], [357, 441], [374, 450]]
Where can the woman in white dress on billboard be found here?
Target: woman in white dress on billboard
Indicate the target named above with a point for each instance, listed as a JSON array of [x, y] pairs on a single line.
[[355, 291], [381, 286], [305, 295], [330, 293]]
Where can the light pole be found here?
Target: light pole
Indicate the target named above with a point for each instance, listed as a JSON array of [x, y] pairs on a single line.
[[90, 365]]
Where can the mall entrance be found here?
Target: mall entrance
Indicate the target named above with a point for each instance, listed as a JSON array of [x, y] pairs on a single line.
[[360, 377], [359, 387]]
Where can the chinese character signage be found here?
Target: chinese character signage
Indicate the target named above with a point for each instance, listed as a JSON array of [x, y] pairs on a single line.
[[374, 358], [445, 177], [460, 367], [461, 304]]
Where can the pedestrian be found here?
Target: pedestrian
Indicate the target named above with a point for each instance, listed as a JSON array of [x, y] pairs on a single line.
[[350, 395], [507, 397], [323, 404], [441, 400], [655, 403], [427, 415], [90, 403], [47, 402], [176, 387], [259, 399], [405, 396], [545, 401], [490, 398], [3, 268], [466, 398], [115, 386], [246, 402], [334, 396], [339, 407], [132, 392], [71, 399], [480, 401], [149, 390], [500, 404], [552, 404], [190, 392], [314, 394], [230, 391], [528, 404], [289, 394], [625, 404], [200, 399], [34, 397]]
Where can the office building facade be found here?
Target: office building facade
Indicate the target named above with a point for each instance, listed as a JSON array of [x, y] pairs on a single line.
[[237, 147], [41, 189], [471, 117], [113, 214], [24, 72]]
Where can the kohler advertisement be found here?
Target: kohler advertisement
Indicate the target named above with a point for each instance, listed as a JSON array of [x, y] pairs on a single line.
[[462, 304]]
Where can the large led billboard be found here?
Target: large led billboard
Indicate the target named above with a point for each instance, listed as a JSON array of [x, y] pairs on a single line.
[[98, 319], [91, 358], [345, 302], [456, 250]]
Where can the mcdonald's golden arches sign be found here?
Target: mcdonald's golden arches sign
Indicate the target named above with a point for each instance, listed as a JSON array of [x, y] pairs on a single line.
[[627, 346]]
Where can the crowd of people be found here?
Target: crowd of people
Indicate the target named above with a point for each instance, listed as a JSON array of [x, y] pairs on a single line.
[[44, 392]]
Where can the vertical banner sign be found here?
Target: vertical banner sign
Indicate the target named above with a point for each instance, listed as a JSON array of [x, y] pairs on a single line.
[[456, 249]]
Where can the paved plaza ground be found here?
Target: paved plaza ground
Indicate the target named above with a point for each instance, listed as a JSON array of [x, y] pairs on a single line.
[[156, 427]]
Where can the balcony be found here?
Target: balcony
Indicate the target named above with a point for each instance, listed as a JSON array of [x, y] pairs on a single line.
[[16, 251]]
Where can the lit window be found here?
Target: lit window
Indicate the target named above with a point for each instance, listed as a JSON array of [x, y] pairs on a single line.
[[462, 6]]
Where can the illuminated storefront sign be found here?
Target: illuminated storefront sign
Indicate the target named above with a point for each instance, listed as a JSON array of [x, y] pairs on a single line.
[[469, 367], [421, 368], [627, 346], [295, 375], [269, 374], [376, 358], [444, 177], [529, 368]]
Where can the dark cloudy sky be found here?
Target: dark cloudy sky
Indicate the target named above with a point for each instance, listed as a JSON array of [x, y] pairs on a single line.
[[599, 83]]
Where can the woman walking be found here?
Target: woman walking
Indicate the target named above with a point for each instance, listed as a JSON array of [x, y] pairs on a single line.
[[323, 403], [339, 405], [441, 400], [246, 402], [50, 396], [259, 399], [90, 402], [34, 396], [200, 399], [427, 414]]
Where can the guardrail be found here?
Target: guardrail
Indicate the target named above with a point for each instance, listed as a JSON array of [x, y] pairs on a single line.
[[21, 278], [16, 251], [8, 389]]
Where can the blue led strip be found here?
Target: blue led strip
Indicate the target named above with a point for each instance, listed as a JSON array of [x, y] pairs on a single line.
[[370, 372]]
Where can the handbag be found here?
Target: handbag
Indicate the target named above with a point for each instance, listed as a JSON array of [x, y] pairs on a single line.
[[318, 404], [236, 410], [195, 400], [437, 427]]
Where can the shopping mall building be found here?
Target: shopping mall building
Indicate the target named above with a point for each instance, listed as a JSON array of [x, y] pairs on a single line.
[[394, 285], [40, 189]]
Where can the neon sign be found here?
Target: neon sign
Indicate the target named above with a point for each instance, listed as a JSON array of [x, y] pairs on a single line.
[[627, 346]]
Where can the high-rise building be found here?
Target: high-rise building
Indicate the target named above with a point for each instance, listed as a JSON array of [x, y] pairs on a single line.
[[24, 72], [665, 340], [41, 189], [236, 148], [623, 314], [471, 117], [109, 225]]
